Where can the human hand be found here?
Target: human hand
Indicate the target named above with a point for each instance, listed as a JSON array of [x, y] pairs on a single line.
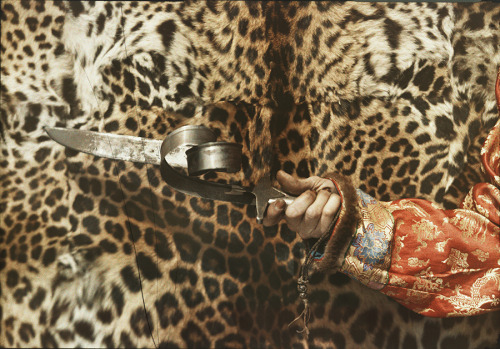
[[312, 213]]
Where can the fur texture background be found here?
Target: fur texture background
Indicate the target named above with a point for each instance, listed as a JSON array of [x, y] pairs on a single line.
[[397, 97]]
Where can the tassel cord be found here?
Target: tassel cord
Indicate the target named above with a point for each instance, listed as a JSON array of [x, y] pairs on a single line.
[[304, 279]]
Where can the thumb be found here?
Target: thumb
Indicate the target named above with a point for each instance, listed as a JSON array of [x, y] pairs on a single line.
[[293, 185]]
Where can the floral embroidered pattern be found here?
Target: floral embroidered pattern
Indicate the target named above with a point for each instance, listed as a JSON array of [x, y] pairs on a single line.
[[371, 247], [405, 204], [415, 262], [481, 255], [425, 230], [365, 198], [457, 261], [368, 258], [444, 262], [427, 281], [398, 245], [397, 281], [441, 245], [472, 226]]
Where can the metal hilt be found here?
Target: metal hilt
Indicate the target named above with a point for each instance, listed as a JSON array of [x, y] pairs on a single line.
[[266, 194], [201, 154], [175, 145]]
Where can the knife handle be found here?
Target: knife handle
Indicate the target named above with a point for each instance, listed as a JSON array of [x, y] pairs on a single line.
[[261, 211], [288, 199]]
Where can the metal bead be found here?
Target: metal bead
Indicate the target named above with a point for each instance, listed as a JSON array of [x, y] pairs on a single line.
[[302, 288], [303, 295]]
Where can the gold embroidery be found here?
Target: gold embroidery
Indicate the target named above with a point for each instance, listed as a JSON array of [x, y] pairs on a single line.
[[368, 258], [397, 281], [424, 286], [481, 255], [378, 215], [487, 199], [480, 209], [440, 245], [417, 297], [424, 310], [423, 245], [470, 305], [471, 225], [409, 206], [425, 230], [436, 206], [375, 278], [391, 293], [398, 245], [457, 260], [425, 280], [468, 202], [415, 262]]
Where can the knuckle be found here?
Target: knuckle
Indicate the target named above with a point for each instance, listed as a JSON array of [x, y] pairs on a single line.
[[312, 213], [329, 210], [307, 195], [313, 234], [324, 195], [292, 212], [316, 181], [305, 231], [272, 217], [333, 205], [326, 188]]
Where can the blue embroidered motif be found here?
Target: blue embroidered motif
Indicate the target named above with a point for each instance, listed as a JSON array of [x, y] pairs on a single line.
[[370, 247], [365, 198]]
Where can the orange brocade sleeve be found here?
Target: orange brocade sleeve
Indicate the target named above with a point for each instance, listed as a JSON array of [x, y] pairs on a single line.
[[436, 262]]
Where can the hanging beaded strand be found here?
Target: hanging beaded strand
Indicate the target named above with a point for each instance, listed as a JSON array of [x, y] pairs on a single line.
[[304, 280]]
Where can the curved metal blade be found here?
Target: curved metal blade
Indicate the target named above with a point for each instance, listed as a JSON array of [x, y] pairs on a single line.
[[173, 151], [111, 146]]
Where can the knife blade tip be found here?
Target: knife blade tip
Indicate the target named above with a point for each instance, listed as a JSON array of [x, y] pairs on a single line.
[[54, 133]]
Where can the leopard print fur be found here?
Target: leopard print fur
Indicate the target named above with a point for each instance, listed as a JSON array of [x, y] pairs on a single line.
[[396, 96]]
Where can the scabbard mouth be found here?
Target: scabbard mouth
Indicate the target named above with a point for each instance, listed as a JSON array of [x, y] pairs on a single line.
[[196, 144]]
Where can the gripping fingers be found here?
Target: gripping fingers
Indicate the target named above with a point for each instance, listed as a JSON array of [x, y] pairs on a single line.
[[329, 211], [311, 213], [310, 227], [296, 210], [274, 213]]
